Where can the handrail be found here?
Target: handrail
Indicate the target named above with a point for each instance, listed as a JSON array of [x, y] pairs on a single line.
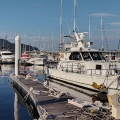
[[74, 66], [108, 71]]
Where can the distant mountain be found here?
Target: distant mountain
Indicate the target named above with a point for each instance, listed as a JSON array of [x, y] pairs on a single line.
[[11, 46]]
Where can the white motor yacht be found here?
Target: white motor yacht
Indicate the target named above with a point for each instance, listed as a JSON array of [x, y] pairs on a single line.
[[7, 56], [83, 66], [38, 59]]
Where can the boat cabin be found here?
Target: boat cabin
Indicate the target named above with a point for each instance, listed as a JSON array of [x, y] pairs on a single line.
[[7, 56], [84, 60], [82, 56]]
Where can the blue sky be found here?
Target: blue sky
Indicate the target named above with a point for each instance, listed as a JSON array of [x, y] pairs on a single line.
[[41, 19]]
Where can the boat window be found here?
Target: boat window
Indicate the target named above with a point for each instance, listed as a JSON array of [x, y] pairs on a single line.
[[42, 56], [102, 56], [7, 54], [98, 67], [95, 56], [75, 56], [86, 56]]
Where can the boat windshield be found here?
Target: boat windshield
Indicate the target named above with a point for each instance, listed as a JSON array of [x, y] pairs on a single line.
[[86, 56], [95, 56], [75, 56], [7, 54]]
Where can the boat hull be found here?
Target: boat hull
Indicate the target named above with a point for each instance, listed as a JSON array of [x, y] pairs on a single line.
[[78, 91], [85, 81]]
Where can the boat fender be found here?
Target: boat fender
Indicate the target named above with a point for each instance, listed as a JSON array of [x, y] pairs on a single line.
[[96, 86]]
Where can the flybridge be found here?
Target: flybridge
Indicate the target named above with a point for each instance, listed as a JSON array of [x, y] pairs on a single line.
[[79, 44]]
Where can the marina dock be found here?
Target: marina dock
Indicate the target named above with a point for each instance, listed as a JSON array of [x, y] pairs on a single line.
[[47, 106], [44, 106], [47, 103]]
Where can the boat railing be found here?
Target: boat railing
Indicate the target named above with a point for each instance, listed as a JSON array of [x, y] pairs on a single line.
[[77, 67], [101, 71], [73, 67]]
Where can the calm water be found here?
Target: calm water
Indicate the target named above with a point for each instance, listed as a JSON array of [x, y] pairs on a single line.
[[7, 94], [8, 107]]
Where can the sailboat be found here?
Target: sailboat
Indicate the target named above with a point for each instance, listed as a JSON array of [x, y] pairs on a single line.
[[82, 66], [25, 55]]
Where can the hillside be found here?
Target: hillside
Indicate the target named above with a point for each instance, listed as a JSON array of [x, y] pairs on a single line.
[[11, 46]]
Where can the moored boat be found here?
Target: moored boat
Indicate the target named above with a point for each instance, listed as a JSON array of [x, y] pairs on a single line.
[[7, 56], [37, 59], [85, 67], [82, 66]]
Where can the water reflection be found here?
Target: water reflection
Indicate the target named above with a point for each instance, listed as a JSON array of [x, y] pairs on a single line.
[[22, 112], [9, 101], [36, 69], [16, 108], [69, 90], [5, 70], [36, 72]]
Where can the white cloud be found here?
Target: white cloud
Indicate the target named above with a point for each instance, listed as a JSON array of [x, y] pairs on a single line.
[[103, 14], [115, 23]]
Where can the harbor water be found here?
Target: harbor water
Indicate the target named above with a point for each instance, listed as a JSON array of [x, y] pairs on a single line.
[[12, 106], [7, 95]]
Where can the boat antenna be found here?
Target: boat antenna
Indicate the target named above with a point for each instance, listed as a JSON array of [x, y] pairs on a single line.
[[74, 29], [61, 39]]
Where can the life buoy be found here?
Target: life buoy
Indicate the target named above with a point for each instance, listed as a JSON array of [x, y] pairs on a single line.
[[62, 55]]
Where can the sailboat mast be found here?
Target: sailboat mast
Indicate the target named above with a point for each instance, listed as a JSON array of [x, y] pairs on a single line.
[[74, 15], [89, 27], [61, 40], [102, 31], [25, 42], [52, 43], [5, 44], [43, 47], [39, 41], [29, 42]]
